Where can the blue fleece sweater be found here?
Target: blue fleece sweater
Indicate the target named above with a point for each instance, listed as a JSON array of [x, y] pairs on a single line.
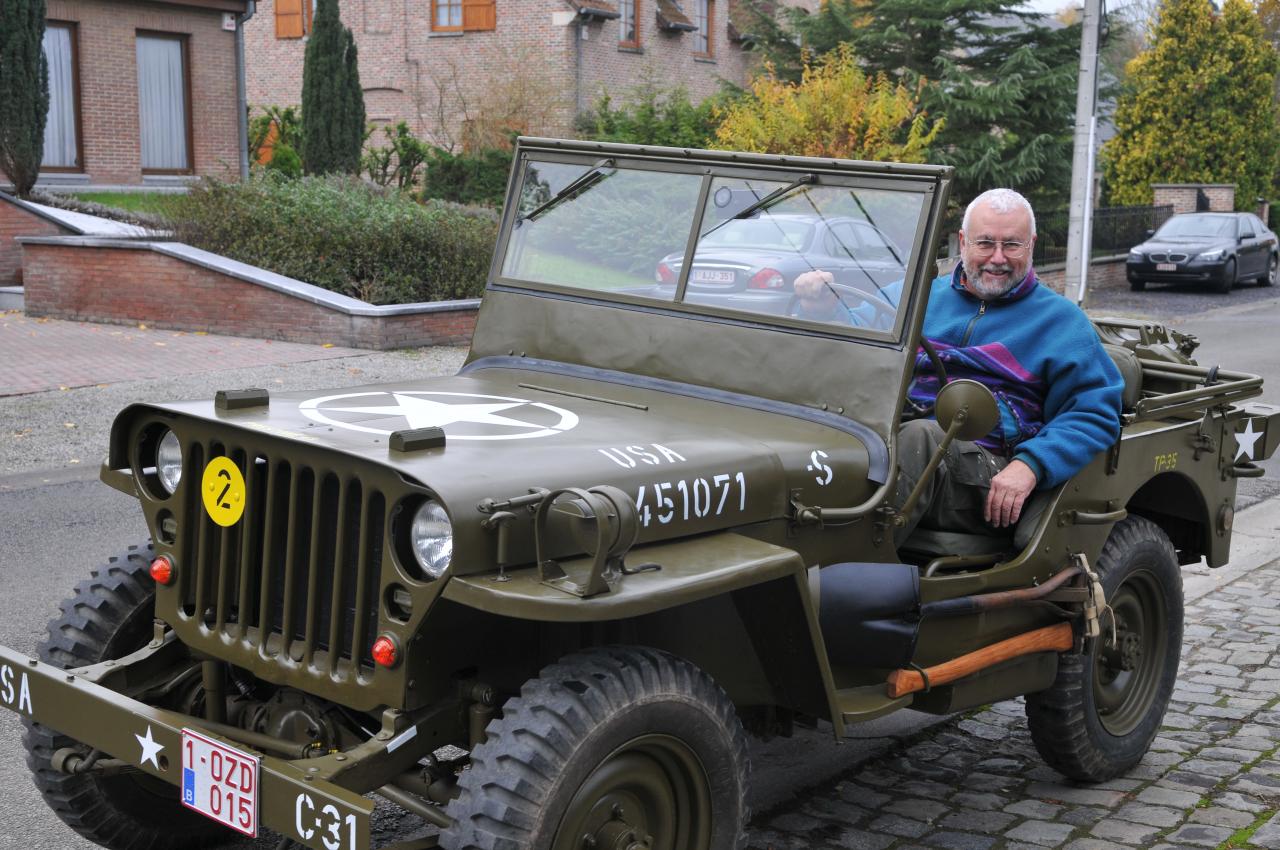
[[1058, 391]]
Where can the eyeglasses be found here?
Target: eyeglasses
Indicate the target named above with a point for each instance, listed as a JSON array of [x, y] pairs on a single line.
[[1012, 247]]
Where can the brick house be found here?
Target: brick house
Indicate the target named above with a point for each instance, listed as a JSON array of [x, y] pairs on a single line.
[[440, 64], [141, 92]]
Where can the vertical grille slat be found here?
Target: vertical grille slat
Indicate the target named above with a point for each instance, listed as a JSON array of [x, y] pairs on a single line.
[[270, 541], [298, 574], [349, 490]]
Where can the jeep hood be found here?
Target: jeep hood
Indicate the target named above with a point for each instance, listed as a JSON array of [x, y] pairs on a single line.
[[693, 459]]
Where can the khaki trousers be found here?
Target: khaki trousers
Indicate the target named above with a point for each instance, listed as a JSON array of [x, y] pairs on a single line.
[[954, 497]]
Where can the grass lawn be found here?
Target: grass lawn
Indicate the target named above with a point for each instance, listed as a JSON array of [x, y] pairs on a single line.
[[569, 271], [143, 202]]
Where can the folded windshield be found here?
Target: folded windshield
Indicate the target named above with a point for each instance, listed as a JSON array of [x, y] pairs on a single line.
[[620, 231]]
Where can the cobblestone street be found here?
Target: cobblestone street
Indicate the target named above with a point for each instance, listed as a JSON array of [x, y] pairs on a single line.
[[1212, 778]]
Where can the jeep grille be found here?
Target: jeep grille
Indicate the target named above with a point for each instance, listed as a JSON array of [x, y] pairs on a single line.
[[299, 574]]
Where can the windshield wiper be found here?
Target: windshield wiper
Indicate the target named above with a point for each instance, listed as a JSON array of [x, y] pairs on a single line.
[[763, 202], [584, 181]]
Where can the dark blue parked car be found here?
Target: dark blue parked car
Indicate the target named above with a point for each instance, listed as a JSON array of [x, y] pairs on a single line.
[[1219, 249]]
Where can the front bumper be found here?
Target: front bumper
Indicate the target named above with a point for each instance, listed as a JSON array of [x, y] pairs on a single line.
[[291, 801], [1188, 271]]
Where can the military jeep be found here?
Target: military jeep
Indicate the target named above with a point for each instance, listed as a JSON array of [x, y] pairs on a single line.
[[542, 603]]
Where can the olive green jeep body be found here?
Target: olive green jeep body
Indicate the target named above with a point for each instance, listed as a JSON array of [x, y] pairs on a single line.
[[643, 509]]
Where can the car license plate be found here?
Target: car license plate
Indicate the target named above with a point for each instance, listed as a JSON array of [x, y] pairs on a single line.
[[1166, 267], [711, 276], [220, 782]]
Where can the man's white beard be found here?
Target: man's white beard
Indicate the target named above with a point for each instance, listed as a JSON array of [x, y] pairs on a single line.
[[973, 274]]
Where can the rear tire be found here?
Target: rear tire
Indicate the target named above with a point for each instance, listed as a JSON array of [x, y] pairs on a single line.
[[1099, 717], [626, 745], [1273, 270], [111, 615]]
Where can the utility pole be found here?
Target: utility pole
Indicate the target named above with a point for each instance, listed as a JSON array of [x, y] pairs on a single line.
[[1079, 228]]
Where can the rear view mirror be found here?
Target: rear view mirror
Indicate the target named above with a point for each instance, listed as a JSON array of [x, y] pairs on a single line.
[[972, 402]]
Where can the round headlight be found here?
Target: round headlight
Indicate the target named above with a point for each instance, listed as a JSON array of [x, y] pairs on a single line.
[[432, 538], [169, 461]]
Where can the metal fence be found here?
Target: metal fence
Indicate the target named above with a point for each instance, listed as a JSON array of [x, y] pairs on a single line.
[[1115, 231]]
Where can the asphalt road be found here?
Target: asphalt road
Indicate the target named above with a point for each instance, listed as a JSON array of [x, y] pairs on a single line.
[[56, 522]]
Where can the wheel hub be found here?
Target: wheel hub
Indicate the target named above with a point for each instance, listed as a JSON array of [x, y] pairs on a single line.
[[618, 834], [1125, 654]]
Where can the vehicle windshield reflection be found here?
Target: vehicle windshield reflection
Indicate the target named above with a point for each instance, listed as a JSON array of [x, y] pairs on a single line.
[[612, 230]]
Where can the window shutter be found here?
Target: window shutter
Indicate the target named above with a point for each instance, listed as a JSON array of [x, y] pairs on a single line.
[[479, 15], [289, 22]]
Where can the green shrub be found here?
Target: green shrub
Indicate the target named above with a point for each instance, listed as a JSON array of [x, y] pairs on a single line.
[[274, 125], [479, 178], [651, 115], [344, 235], [397, 162], [285, 161]]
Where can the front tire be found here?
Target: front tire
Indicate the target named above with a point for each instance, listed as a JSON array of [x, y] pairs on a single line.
[[620, 746], [1099, 717], [1137, 284], [111, 615], [1228, 277]]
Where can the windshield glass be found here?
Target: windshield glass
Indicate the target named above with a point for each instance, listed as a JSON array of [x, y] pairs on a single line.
[[1198, 225], [615, 230]]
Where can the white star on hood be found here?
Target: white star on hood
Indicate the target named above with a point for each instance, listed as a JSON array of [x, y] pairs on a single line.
[[150, 749], [1245, 441], [424, 413]]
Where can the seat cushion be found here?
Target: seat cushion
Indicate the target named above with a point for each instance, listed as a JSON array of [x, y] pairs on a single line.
[[1130, 367], [930, 541]]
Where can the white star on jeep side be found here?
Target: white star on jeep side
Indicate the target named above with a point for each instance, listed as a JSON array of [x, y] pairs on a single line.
[[425, 413], [150, 749], [1245, 441]]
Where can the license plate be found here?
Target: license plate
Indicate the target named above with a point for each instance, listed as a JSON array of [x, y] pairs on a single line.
[[1166, 267], [710, 276], [220, 782]]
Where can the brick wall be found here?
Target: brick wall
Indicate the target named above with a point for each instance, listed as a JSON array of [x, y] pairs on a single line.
[[128, 283], [529, 60], [14, 222], [109, 84], [1182, 196], [1104, 273]]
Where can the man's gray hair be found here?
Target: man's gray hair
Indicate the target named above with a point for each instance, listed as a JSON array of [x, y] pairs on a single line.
[[1002, 201]]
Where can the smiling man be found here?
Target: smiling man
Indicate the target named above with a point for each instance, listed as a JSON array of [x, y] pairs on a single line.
[[992, 321]]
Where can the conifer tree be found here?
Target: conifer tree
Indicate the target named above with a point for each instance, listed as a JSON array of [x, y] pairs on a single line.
[[1002, 83], [1198, 106], [24, 91], [333, 129]]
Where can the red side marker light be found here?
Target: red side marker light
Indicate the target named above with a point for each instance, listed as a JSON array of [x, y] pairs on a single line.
[[162, 569], [385, 652]]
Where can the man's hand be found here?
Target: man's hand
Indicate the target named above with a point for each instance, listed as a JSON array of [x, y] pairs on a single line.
[[1008, 493], [817, 298]]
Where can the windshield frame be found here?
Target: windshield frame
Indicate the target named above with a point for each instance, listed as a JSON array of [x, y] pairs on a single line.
[[707, 166]]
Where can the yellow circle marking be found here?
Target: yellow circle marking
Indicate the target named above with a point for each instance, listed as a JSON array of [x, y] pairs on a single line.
[[223, 490]]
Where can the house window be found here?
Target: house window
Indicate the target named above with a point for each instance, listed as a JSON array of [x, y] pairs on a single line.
[[164, 96], [628, 24], [458, 15], [293, 18], [62, 124], [705, 19]]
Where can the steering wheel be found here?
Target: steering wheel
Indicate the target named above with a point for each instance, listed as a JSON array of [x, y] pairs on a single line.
[[881, 307]]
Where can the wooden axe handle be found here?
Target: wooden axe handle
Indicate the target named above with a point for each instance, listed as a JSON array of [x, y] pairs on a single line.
[[1059, 637]]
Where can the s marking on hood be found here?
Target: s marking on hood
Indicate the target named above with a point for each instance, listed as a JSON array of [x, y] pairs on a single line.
[[463, 416]]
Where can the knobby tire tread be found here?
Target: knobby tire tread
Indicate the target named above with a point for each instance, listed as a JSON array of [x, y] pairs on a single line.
[[88, 630], [539, 730], [1057, 717]]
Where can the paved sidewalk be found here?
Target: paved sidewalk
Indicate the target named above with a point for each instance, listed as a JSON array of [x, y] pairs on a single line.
[[50, 354], [1211, 780]]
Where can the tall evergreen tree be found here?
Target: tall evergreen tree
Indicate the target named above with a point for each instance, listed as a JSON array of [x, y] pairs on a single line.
[[333, 128], [24, 91], [1002, 83], [1198, 106]]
